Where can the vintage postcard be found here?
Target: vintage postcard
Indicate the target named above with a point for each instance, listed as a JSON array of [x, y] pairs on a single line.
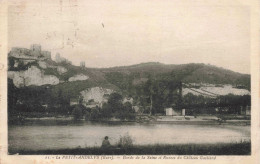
[[115, 81]]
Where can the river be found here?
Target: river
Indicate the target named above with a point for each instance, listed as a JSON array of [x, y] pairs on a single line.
[[42, 135]]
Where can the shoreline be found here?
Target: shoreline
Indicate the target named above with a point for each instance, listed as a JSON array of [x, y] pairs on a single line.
[[243, 148], [199, 120]]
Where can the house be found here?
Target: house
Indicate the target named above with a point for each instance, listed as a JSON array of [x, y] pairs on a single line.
[[128, 99], [45, 106], [74, 101], [168, 111], [92, 104], [248, 110], [183, 112], [245, 110], [136, 108], [172, 112]]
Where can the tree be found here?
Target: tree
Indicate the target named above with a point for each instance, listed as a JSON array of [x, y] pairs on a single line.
[[126, 112], [11, 63], [148, 91], [12, 96], [77, 112], [115, 102], [106, 111], [95, 114], [114, 107]]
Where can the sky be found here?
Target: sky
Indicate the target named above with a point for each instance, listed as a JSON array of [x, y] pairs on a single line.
[[107, 33]]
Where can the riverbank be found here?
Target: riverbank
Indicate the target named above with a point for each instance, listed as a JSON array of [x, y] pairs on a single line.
[[243, 148], [157, 120], [144, 119]]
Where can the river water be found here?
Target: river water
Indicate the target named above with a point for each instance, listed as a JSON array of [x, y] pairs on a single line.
[[42, 135]]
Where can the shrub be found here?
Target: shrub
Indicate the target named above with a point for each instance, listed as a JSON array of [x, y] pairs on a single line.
[[125, 141], [77, 113], [95, 114]]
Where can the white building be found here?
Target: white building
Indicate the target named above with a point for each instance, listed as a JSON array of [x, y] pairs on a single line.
[[172, 112], [128, 99]]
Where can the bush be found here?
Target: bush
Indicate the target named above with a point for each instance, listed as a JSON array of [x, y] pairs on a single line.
[[87, 115], [95, 114], [77, 113], [125, 141]]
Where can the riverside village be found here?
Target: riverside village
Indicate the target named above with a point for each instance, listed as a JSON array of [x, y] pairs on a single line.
[[137, 101]]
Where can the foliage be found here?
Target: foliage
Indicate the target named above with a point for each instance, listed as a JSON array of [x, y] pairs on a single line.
[[12, 97], [11, 62], [115, 107], [106, 111], [115, 102], [21, 65], [51, 71], [191, 100], [158, 87], [95, 114], [125, 141], [78, 112], [126, 112]]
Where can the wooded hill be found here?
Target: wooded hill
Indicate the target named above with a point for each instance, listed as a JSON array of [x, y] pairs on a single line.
[[144, 82]]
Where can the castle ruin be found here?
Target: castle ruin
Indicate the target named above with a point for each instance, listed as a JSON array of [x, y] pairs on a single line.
[[32, 54], [82, 64], [60, 59]]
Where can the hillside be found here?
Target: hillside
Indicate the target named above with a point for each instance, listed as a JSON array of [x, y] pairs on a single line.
[[121, 77], [37, 83], [188, 73], [35, 77]]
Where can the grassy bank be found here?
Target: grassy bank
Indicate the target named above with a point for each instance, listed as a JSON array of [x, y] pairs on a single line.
[[243, 148]]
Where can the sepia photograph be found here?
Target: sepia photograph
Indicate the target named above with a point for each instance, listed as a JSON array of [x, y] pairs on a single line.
[[129, 78]]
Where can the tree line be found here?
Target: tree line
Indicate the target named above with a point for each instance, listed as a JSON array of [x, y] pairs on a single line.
[[152, 96]]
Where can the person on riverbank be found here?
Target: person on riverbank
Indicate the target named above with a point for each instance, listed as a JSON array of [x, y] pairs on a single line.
[[105, 143]]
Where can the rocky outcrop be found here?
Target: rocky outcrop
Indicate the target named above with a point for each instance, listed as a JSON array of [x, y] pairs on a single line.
[[128, 99], [32, 76], [78, 77], [61, 70], [225, 90], [97, 94], [213, 91], [42, 64]]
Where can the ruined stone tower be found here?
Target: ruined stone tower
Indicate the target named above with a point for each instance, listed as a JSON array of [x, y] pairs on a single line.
[[82, 64]]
